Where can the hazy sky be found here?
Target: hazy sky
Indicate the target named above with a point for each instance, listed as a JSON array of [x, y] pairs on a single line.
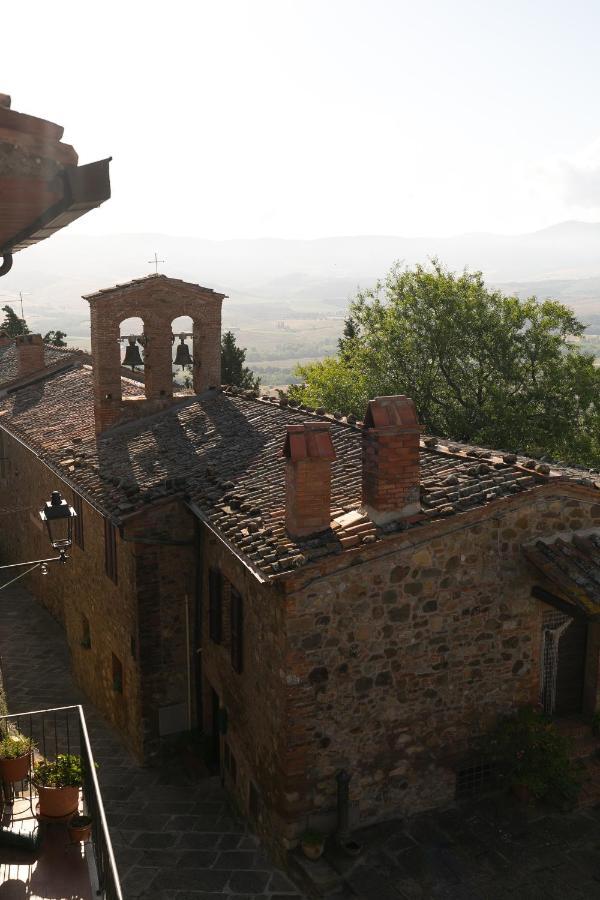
[[309, 118]]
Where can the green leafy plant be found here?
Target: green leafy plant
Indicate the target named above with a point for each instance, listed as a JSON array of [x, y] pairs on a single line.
[[525, 749], [14, 744], [312, 838], [65, 771]]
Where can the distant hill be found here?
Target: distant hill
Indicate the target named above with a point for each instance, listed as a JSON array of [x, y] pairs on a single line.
[[271, 279]]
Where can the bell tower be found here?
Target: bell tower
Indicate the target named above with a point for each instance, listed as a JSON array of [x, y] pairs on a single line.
[[157, 300]]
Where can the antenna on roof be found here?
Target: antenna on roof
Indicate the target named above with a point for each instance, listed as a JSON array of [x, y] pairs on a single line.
[[21, 301], [154, 262]]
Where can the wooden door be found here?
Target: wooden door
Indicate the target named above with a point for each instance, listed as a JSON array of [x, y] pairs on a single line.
[[571, 669]]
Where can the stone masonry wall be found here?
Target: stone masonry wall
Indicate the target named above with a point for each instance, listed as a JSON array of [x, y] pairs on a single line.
[[254, 699], [76, 590], [395, 663]]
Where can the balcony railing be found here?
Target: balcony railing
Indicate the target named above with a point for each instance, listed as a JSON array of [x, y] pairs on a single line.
[[63, 730]]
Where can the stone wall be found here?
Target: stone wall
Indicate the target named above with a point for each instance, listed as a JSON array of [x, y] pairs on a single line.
[[396, 662], [255, 699], [80, 588]]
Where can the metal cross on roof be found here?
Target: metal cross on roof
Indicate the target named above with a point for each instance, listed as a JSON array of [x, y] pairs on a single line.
[[154, 262]]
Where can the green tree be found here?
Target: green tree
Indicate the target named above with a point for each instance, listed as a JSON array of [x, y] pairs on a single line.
[[481, 367], [55, 338], [12, 324], [233, 370]]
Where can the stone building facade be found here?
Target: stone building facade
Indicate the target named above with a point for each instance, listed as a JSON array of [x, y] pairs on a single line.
[[314, 593]]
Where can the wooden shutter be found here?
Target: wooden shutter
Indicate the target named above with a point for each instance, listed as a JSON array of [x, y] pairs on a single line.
[[215, 608], [110, 550], [237, 630], [78, 521]]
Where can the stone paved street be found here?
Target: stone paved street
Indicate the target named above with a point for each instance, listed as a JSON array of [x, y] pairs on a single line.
[[173, 839], [491, 850]]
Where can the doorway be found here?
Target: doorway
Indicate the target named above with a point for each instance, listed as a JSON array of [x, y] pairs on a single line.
[[564, 641]]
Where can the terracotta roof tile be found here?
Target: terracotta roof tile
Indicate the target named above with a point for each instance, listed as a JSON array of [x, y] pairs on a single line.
[[9, 369], [224, 451]]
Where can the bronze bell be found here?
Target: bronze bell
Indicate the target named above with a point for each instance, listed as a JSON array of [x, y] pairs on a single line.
[[132, 354], [182, 357]]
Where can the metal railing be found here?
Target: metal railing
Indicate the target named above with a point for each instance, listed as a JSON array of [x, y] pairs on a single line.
[[63, 730]]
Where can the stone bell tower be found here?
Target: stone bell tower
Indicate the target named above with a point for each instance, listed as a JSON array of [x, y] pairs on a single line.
[[157, 300]]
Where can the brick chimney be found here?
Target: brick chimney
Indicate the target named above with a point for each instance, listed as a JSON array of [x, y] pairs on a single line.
[[309, 453], [30, 353], [390, 459]]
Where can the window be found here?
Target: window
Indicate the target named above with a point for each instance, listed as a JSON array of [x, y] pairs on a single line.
[[110, 550], [473, 780], [253, 802], [117, 674], [215, 605], [86, 637], [237, 631], [4, 465], [78, 520]]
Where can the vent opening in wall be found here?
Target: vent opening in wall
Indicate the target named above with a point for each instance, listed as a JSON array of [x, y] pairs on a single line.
[[473, 780]]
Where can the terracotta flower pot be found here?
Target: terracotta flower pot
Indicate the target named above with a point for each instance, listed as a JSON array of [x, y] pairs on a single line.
[[79, 833], [56, 803], [312, 851], [521, 792], [15, 769]]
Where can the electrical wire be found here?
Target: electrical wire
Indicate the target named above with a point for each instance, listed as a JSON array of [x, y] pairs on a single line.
[[22, 575]]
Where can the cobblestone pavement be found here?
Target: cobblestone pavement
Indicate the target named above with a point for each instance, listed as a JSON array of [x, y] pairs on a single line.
[[173, 840], [492, 850]]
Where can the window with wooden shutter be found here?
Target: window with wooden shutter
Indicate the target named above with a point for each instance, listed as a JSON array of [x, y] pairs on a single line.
[[215, 605], [110, 550], [78, 520], [237, 630]]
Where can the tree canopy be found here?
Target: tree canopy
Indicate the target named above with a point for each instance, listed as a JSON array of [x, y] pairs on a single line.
[[12, 324], [233, 370], [482, 367], [56, 338]]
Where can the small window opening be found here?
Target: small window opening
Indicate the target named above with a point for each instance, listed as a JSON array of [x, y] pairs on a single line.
[[86, 636], [117, 674]]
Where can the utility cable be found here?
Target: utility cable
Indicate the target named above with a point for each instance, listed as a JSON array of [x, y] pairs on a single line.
[[22, 575]]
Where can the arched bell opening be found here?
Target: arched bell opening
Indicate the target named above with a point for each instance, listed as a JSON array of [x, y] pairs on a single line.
[[183, 352], [131, 346]]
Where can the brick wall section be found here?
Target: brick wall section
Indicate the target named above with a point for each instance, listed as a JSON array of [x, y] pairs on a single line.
[[394, 663], [157, 301], [390, 459], [30, 353], [77, 589], [164, 576]]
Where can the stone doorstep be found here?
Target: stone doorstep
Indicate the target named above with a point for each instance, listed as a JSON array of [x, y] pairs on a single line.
[[317, 877]]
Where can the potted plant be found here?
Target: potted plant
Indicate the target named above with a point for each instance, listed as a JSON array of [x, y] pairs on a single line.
[[15, 756], [531, 758], [58, 784], [312, 843], [80, 828]]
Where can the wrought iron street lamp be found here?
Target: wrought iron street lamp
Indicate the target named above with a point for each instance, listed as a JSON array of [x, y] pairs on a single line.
[[58, 516]]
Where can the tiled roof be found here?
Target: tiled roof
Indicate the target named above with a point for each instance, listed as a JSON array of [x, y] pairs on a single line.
[[9, 368], [224, 450], [572, 563], [178, 282]]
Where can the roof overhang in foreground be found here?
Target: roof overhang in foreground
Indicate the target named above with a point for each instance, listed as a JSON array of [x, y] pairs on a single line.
[[569, 566]]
